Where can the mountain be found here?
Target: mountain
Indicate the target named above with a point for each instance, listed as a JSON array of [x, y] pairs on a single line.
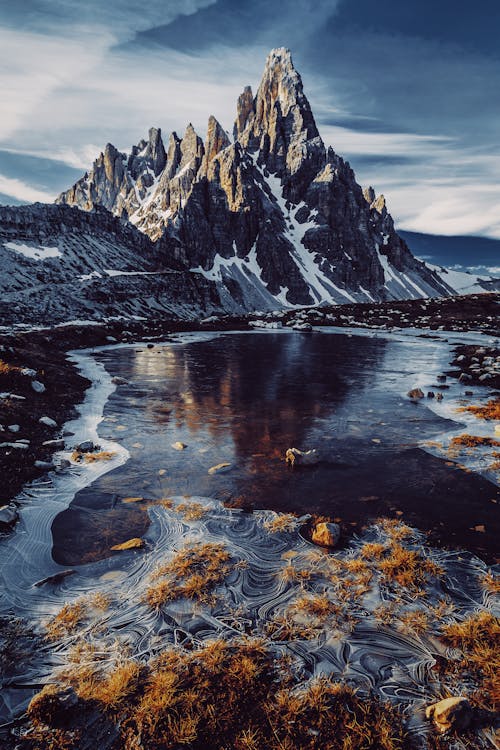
[[271, 215], [59, 263]]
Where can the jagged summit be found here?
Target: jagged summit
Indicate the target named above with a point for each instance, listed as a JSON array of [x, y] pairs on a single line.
[[273, 217]]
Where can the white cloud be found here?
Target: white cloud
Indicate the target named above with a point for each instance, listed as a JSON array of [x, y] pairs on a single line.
[[22, 192]]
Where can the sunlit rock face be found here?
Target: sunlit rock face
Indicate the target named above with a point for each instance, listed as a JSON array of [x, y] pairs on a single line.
[[274, 216]]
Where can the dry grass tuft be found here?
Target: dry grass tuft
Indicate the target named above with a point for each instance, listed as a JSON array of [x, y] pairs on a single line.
[[492, 583], [193, 573], [89, 458], [407, 567], [192, 511], [6, 369], [282, 522], [477, 637], [488, 411], [67, 620], [473, 441]]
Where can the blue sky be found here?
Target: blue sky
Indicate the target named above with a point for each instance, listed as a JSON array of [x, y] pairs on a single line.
[[407, 91]]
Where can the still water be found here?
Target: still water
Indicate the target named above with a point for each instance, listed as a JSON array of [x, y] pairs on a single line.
[[243, 399]]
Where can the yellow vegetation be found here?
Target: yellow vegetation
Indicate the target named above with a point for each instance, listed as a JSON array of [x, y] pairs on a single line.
[[282, 522], [473, 441], [193, 573], [488, 411], [192, 511], [233, 695], [477, 636]]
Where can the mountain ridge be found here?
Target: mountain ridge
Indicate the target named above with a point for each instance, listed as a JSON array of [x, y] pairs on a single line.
[[274, 213]]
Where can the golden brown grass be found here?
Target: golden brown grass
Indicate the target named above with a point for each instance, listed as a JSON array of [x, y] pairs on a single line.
[[492, 583], [6, 369], [193, 573], [230, 695], [477, 637], [192, 511], [490, 410], [282, 522], [67, 620], [91, 457], [407, 567], [473, 441]]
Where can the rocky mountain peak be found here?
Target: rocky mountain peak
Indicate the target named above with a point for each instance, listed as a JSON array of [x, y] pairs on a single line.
[[217, 139], [273, 217], [244, 109]]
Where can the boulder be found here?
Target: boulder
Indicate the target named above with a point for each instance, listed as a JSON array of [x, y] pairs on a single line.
[[450, 714], [430, 394], [439, 396], [415, 393], [119, 381], [294, 456], [326, 534], [464, 377], [179, 446]]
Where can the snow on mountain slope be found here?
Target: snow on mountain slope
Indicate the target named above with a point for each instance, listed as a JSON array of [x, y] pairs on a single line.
[[273, 215]]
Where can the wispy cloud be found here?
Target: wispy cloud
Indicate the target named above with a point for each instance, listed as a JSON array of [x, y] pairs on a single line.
[[23, 192], [414, 108]]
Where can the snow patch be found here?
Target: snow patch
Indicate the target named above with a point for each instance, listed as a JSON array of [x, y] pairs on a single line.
[[34, 253]]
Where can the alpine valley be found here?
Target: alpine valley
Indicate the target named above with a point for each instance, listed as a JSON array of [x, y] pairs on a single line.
[[267, 219]]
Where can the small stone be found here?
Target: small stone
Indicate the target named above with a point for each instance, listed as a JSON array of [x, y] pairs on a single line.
[[450, 713], [218, 468], [45, 465], [430, 394], [464, 377], [179, 446], [56, 578], [119, 381], [326, 534], [135, 543], [301, 458], [13, 427], [87, 446], [37, 386], [56, 445], [439, 396], [48, 422], [415, 393], [441, 378]]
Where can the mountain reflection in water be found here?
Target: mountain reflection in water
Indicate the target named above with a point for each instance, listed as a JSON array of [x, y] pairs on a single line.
[[245, 399]]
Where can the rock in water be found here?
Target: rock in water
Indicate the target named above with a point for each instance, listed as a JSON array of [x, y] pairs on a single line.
[[294, 456], [135, 543], [326, 534], [218, 468], [450, 714], [178, 446], [415, 393]]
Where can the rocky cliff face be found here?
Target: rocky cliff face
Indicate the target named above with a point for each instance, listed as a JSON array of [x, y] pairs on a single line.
[[59, 263], [274, 216]]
